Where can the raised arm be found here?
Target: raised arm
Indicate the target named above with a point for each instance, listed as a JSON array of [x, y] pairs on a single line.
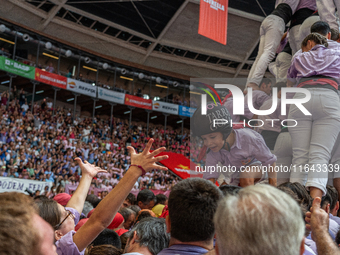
[[318, 222], [88, 172], [109, 206]]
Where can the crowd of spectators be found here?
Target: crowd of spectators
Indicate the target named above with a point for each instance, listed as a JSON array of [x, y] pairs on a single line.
[[42, 147], [255, 220]]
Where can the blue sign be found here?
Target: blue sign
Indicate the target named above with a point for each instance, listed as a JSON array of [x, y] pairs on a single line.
[[186, 111]]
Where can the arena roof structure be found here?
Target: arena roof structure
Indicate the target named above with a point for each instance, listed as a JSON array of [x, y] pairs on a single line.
[[156, 34]]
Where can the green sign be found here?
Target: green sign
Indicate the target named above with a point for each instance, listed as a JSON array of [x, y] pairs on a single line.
[[11, 66]]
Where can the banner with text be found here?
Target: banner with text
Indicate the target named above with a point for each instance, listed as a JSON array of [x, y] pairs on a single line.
[[213, 20], [165, 107], [81, 87], [20, 185], [186, 111], [111, 96], [138, 102], [50, 78], [9, 65]]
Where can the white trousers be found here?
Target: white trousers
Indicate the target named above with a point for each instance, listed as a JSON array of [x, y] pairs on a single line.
[[271, 32], [326, 9], [334, 164], [284, 153], [282, 62], [314, 137]]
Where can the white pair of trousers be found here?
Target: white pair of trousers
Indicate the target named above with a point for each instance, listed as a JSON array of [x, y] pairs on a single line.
[[326, 9], [284, 154], [271, 32], [282, 63], [314, 137], [334, 164]]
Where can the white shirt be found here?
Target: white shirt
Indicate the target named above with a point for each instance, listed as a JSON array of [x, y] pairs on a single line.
[[25, 107]]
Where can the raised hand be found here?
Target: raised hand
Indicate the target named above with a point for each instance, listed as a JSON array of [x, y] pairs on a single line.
[[146, 159], [89, 169], [317, 219]]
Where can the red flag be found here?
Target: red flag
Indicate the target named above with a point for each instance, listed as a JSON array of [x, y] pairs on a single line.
[[213, 20], [180, 165]]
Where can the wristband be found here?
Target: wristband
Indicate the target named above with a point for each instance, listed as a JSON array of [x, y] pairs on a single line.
[[141, 168]]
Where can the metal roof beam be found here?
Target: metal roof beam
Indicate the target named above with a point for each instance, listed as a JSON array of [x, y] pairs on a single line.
[[53, 12], [172, 20], [252, 48]]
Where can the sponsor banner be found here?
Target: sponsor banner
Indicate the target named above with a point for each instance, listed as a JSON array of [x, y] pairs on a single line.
[[50, 78], [17, 68], [111, 96], [186, 111], [213, 20], [180, 165], [138, 102], [81, 87], [20, 185], [165, 107]]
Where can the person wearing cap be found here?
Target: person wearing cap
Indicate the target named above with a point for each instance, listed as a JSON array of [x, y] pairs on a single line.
[[235, 156]]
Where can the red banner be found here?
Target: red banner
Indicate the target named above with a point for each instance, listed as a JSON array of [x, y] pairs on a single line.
[[180, 165], [138, 102], [213, 20], [50, 78]]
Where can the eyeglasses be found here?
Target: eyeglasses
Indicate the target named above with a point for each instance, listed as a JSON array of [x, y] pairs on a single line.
[[69, 214]]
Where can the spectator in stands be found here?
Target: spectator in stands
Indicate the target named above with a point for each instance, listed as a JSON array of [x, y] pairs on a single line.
[[142, 214], [161, 201], [63, 221], [69, 73], [104, 249], [135, 208], [192, 205], [334, 206], [248, 218], [318, 221], [22, 97], [146, 199], [148, 237], [87, 208], [107, 236], [129, 217], [4, 98], [23, 231], [326, 204], [130, 200], [45, 140], [80, 77], [25, 106], [230, 189], [50, 68]]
